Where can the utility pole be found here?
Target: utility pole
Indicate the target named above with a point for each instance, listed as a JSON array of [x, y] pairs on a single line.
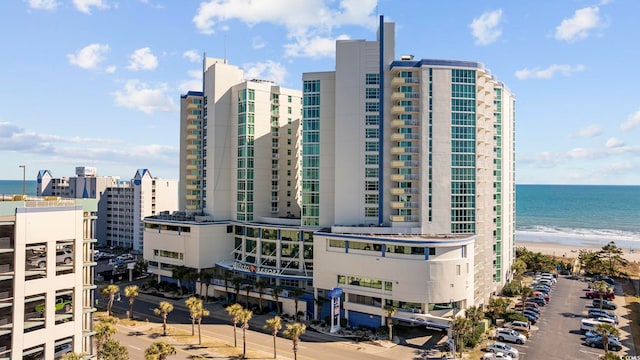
[[24, 179]]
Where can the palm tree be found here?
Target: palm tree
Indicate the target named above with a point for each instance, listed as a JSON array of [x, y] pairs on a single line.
[[275, 292], [461, 325], [606, 330], [260, 286], [159, 351], [234, 311], [389, 311], [205, 278], [163, 309], [110, 291], [178, 273], [131, 292], [112, 349], [226, 275], [601, 287], [104, 330], [525, 292], [614, 255], [296, 294], [190, 276], [519, 267], [274, 325], [248, 289], [72, 356], [237, 284], [244, 317], [197, 312], [474, 314], [293, 332], [318, 308]]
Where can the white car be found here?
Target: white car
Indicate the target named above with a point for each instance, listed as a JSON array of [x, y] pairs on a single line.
[[499, 347], [510, 335], [495, 356]]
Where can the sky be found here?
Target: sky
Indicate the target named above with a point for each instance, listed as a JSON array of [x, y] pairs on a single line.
[[98, 82]]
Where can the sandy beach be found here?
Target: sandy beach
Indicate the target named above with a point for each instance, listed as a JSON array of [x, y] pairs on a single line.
[[570, 251]]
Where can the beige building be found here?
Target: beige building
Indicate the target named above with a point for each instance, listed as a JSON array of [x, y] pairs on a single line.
[[46, 277], [397, 187]]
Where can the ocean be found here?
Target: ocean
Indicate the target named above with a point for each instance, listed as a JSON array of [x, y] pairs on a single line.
[[13, 187], [584, 215]]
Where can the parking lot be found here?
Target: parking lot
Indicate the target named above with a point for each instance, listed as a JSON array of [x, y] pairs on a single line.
[[557, 334]]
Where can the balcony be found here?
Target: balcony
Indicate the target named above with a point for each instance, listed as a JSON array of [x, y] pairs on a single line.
[[404, 177], [275, 166], [404, 218], [192, 116], [275, 113], [405, 80], [192, 137], [275, 209], [404, 136], [192, 157], [275, 198], [192, 106], [404, 150], [192, 177], [274, 155], [192, 147], [275, 188], [404, 163], [404, 205], [275, 134], [400, 123], [405, 95], [403, 191], [191, 197], [275, 101], [191, 127]]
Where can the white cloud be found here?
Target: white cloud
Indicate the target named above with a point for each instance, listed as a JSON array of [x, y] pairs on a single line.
[[485, 29], [142, 59], [140, 96], [312, 24], [110, 69], [614, 143], [268, 70], [192, 56], [578, 27], [313, 47], [86, 5], [589, 131], [633, 121], [194, 83], [581, 153], [549, 72], [258, 42], [43, 4], [90, 56]]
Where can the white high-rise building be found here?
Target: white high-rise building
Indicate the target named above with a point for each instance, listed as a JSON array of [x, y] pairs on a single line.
[[397, 186], [121, 204], [46, 277]]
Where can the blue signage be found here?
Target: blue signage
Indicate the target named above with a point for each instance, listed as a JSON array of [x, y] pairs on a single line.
[[335, 293]]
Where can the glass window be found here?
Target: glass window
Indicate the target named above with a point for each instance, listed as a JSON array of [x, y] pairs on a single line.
[[372, 79]]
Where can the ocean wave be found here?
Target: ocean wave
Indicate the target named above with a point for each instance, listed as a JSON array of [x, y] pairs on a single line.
[[579, 236]]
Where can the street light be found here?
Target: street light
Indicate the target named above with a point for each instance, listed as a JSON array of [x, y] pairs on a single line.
[[24, 179]]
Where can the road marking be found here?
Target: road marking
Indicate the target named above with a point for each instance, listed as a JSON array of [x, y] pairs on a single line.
[[135, 347]]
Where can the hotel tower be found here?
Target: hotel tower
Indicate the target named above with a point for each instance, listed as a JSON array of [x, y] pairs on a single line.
[[388, 181]]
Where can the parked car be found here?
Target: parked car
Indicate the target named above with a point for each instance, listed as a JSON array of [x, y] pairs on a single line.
[[589, 324], [543, 295], [532, 309], [510, 336], [125, 257], [518, 306], [593, 294], [606, 320], [496, 356], [606, 279], [614, 344], [593, 334], [596, 313], [532, 319], [606, 304], [62, 303], [64, 255], [537, 300], [500, 347], [523, 324]]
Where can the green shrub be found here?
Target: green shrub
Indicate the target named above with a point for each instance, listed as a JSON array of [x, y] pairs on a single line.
[[511, 289]]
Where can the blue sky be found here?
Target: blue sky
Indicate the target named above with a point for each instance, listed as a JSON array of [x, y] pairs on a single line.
[[98, 82]]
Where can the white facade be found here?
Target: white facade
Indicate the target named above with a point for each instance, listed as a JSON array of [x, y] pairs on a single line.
[[32, 277]]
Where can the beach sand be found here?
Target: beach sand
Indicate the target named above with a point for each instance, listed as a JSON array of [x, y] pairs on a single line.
[[570, 251]]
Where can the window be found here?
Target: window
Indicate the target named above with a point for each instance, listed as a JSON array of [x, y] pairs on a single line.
[[372, 120], [371, 212], [371, 172], [372, 93], [371, 198], [372, 133], [371, 185], [371, 106], [371, 146], [372, 79], [371, 159]]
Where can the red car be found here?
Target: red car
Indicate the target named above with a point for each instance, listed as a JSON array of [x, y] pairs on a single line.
[[596, 295]]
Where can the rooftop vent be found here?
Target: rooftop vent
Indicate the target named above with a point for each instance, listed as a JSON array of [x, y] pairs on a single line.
[[406, 57]]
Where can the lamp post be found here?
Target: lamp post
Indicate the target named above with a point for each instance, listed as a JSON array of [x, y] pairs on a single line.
[[24, 179]]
